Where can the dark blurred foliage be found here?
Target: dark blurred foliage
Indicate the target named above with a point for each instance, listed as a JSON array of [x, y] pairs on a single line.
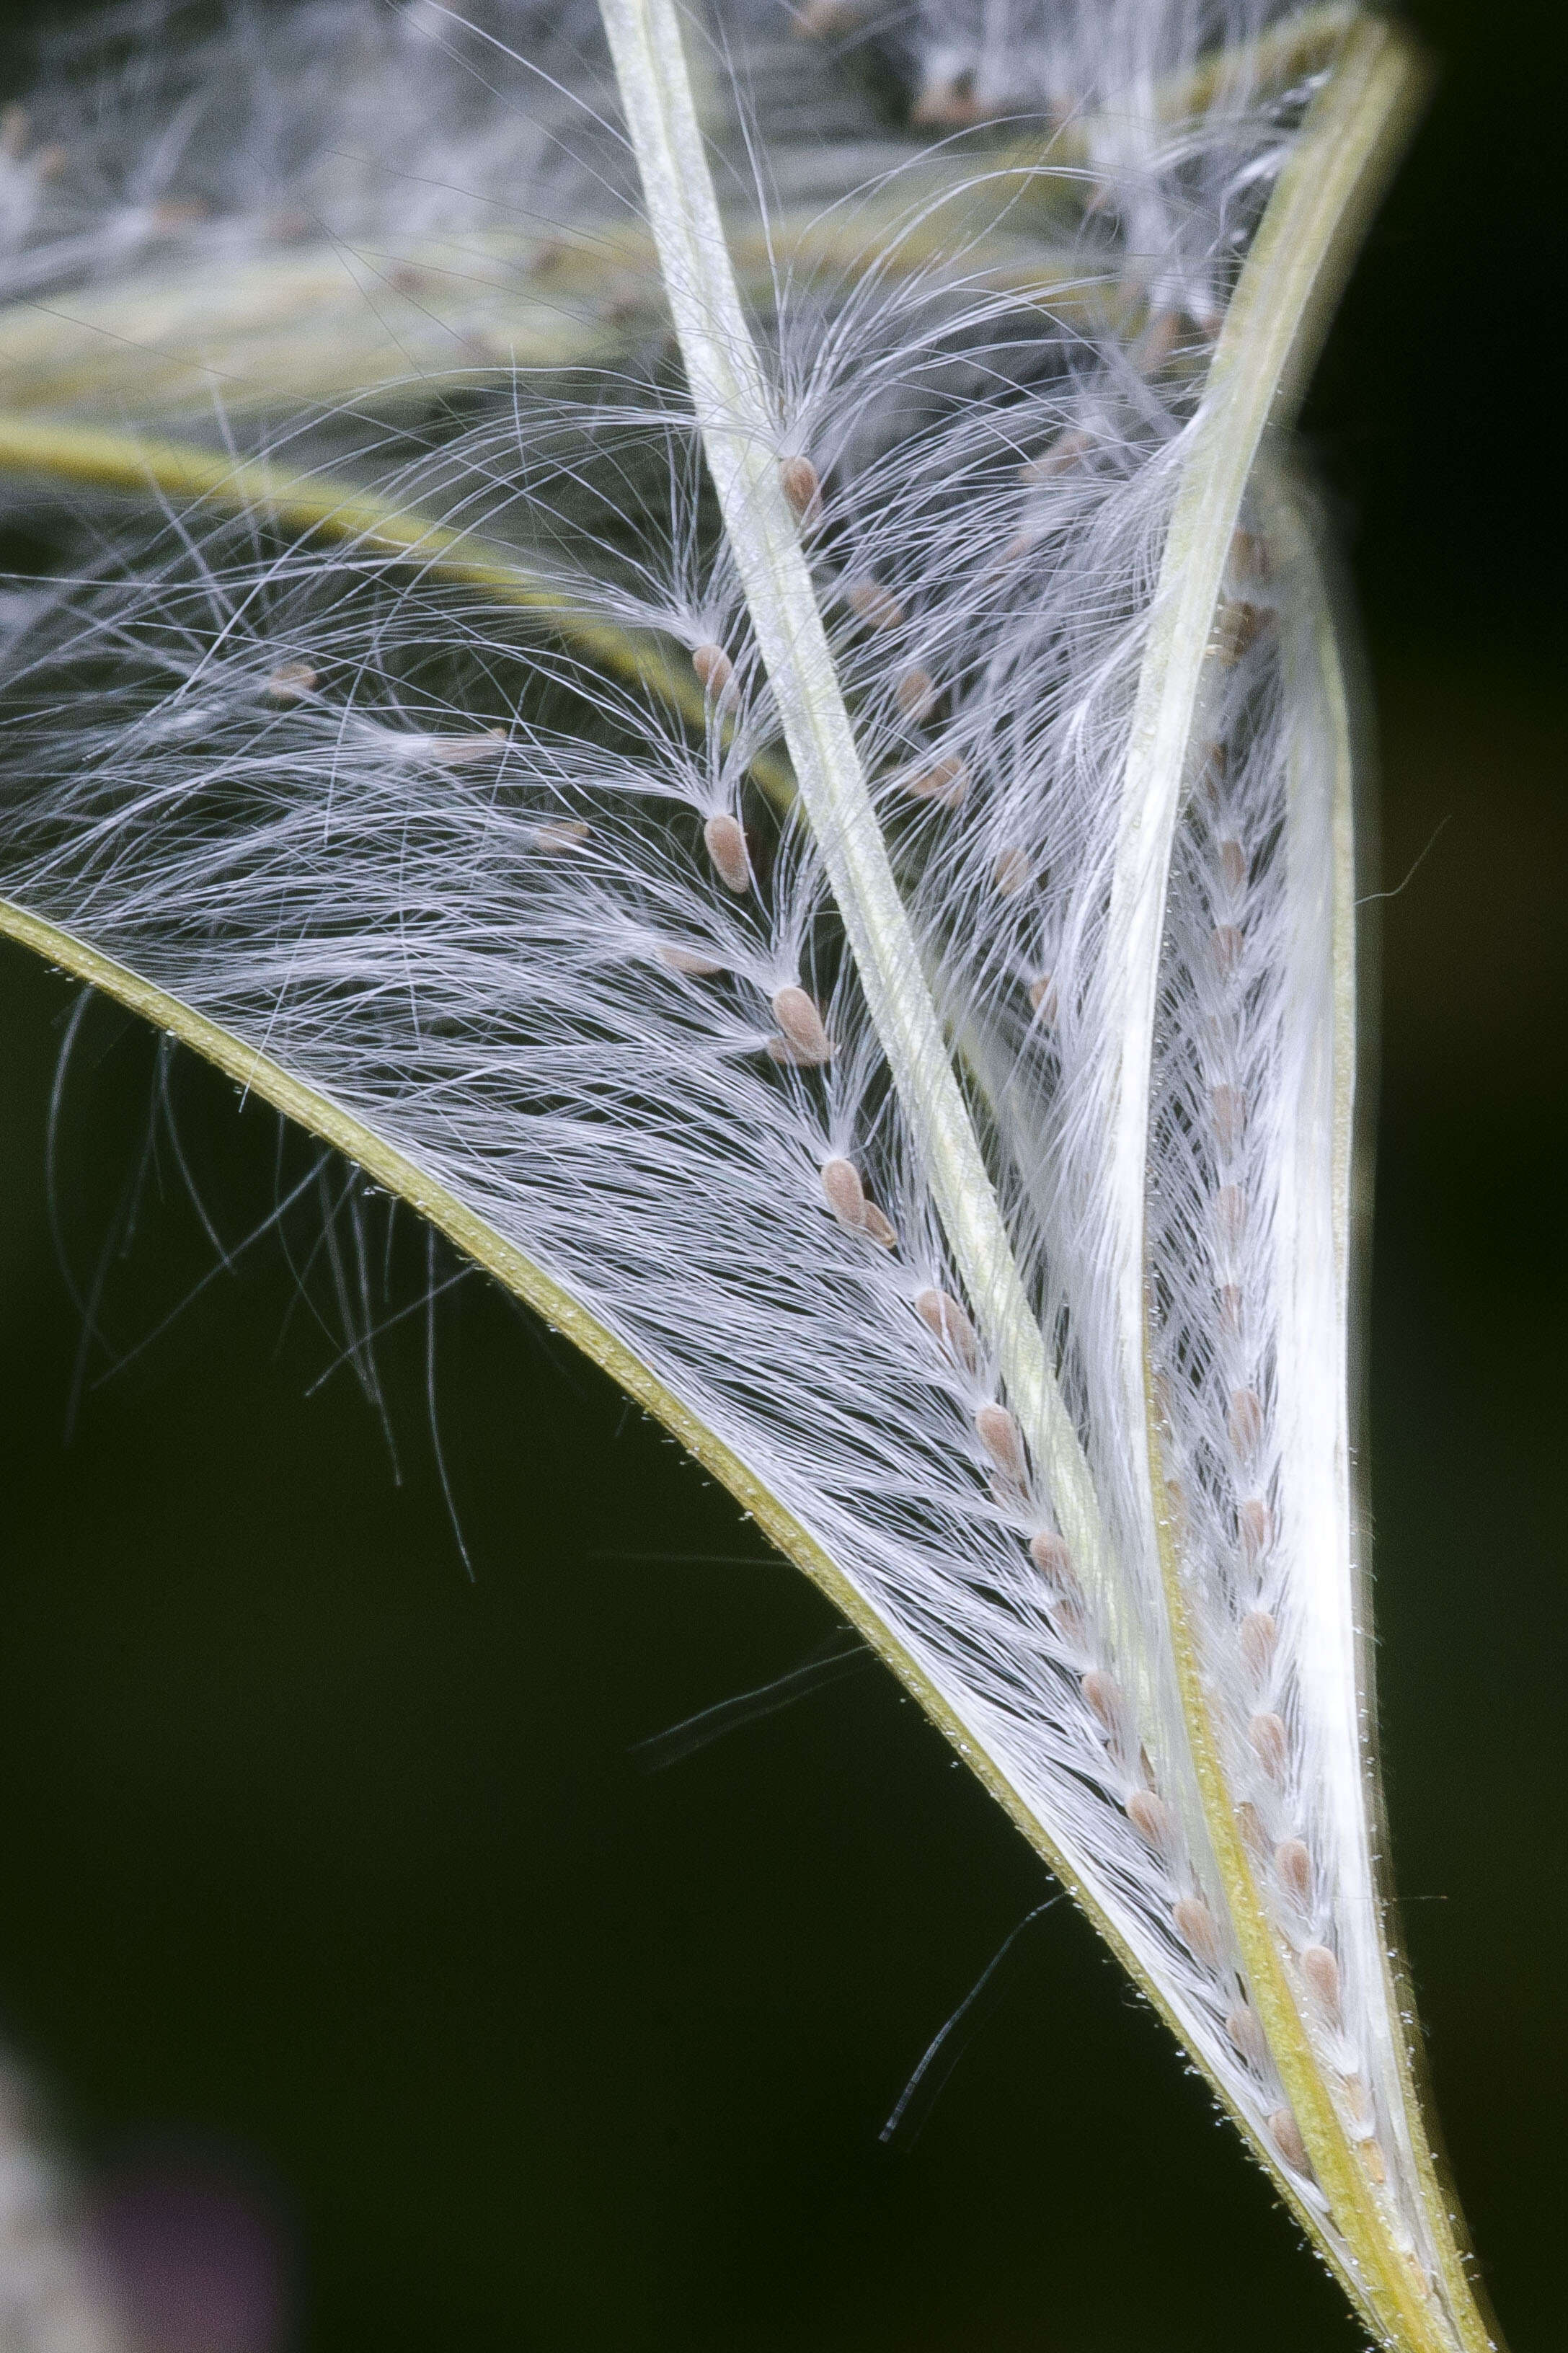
[[326, 1859]]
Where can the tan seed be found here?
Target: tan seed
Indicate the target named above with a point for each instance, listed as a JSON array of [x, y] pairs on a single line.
[[945, 1320], [876, 606], [879, 1228], [457, 751], [1225, 949], [1230, 1310], [1258, 1636], [1372, 2158], [727, 848], [1249, 1821], [1107, 1701], [1011, 872], [1052, 1558], [946, 780], [846, 1194], [1043, 997], [1065, 452], [915, 693], [1245, 1421], [1153, 1819], [1230, 1215], [1270, 1743], [1245, 2028], [683, 960], [1248, 555], [1255, 1523], [1286, 2135], [1358, 2100], [799, 1018], [1002, 1441], [561, 833], [1233, 863], [1321, 1972], [1294, 1864], [802, 485], [1239, 627], [713, 667], [1227, 1108], [291, 682], [1198, 1930]]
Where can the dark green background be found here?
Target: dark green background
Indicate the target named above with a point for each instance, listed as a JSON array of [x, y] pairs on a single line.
[[316, 1852]]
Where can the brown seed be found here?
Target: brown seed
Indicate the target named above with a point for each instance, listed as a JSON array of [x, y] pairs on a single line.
[[1108, 1701], [846, 1194], [1230, 1309], [1233, 863], [1321, 1972], [946, 780], [1230, 1215], [713, 667], [1225, 949], [1198, 1930], [1228, 1107], [876, 606], [1052, 1558], [1043, 997], [1238, 628], [1255, 1523], [1011, 872], [785, 1050], [1257, 1635], [799, 1018], [291, 682], [682, 960], [1070, 1622], [1270, 1743], [945, 1320], [1286, 2134], [1245, 1421], [802, 486], [1065, 452], [915, 692], [1249, 1821], [1245, 2028], [1002, 1441], [1248, 555], [727, 848], [1153, 1819], [879, 1228], [561, 833], [1294, 1864]]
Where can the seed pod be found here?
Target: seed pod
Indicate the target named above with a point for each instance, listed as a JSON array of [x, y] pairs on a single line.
[[1238, 628], [1107, 1701], [945, 1320], [915, 693], [727, 848], [290, 682], [561, 833], [684, 960], [946, 780], [1052, 1558], [846, 1195], [871, 603], [1225, 949], [1153, 1819], [1233, 863], [799, 1018], [879, 1228], [1002, 1441]]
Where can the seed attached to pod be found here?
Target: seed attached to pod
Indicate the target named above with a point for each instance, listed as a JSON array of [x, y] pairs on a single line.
[[1228, 1108], [846, 1194], [1064, 452], [1107, 1701], [800, 1023], [1249, 1821], [1230, 1215], [685, 961], [1286, 2135], [1052, 1558], [1255, 1523], [1245, 2028], [1230, 1310], [727, 848], [1294, 1864], [1043, 997], [1198, 1930], [561, 834], [879, 1228], [1270, 1743], [1225, 949], [1233, 863], [713, 667], [1239, 628], [945, 1320], [1321, 1971], [1002, 1441], [1011, 872], [802, 486], [1257, 1635]]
